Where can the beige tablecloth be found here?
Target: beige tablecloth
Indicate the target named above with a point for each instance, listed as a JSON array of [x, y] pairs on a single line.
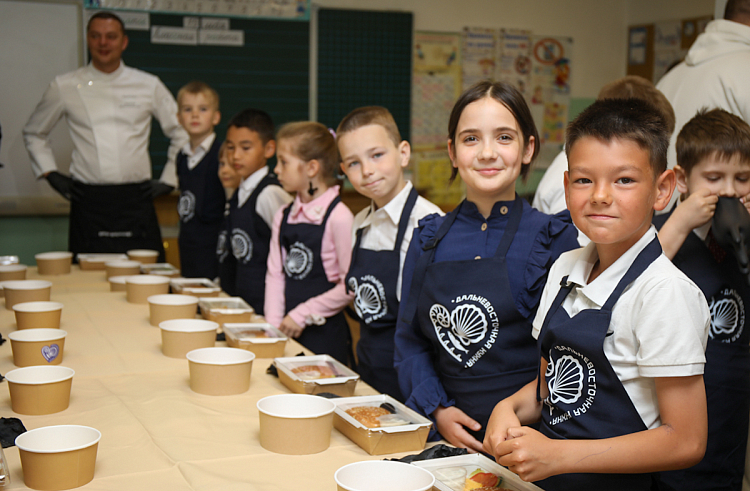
[[156, 432]]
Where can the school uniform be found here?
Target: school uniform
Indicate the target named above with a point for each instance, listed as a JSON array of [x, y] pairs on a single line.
[[471, 286], [226, 264], [727, 372], [605, 342], [382, 238], [201, 208]]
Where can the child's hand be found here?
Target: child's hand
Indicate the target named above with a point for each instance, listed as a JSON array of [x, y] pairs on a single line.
[[502, 418], [450, 423], [528, 453], [290, 328], [696, 210]]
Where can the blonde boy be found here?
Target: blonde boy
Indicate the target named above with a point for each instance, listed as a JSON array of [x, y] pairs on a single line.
[[621, 330], [373, 157]]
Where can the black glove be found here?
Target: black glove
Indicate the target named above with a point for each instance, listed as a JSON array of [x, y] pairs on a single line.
[[60, 183], [154, 188]]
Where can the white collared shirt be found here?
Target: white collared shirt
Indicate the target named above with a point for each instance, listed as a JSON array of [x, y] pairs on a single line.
[[109, 116], [270, 199], [195, 156], [381, 225], [659, 325]]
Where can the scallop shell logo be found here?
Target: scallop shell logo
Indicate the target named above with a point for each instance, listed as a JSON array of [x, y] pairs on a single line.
[[440, 316], [298, 262], [468, 323], [565, 380], [367, 300], [221, 246], [724, 317], [242, 246], [186, 206]]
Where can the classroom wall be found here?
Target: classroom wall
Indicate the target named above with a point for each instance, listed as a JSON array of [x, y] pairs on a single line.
[[648, 11]]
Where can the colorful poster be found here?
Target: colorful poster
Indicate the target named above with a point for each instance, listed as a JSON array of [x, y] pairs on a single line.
[[513, 63], [550, 69], [553, 125], [479, 54], [285, 9]]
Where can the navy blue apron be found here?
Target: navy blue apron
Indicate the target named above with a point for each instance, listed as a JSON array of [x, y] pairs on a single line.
[[483, 346], [727, 372], [249, 239], [373, 277], [113, 218], [201, 211], [226, 263], [587, 400], [306, 278]]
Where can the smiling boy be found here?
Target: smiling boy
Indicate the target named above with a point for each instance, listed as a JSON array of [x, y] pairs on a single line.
[[373, 157], [621, 330]]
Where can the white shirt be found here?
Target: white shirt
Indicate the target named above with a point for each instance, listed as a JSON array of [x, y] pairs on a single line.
[[660, 322], [109, 116], [381, 226], [269, 200], [195, 156]]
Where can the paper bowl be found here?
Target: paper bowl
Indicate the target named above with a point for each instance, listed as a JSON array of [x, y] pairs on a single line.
[[33, 315], [122, 268], [180, 336], [295, 424], [117, 283], [143, 256], [171, 306], [39, 390], [220, 371], [12, 272], [139, 287], [37, 347], [19, 291], [375, 475], [49, 263], [58, 457]]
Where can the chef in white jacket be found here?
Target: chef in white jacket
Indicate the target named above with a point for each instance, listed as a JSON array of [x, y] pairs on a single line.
[[109, 108]]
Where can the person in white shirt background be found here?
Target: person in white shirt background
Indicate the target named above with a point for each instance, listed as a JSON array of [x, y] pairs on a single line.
[[109, 108]]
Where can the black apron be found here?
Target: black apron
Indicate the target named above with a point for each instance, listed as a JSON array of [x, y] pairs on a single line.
[[306, 278], [587, 399], [201, 211], [226, 263], [483, 346], [250, 238], [373, 277], [727, 372], [113, 218]]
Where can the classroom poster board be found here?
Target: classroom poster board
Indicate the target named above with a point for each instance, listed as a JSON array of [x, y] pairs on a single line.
[[275, 9]]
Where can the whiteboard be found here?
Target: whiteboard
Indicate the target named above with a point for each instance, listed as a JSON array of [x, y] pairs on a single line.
[[40, 40]]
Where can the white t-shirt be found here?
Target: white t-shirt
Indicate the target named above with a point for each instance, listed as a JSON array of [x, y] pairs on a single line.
[[270, 199], [660, 322]]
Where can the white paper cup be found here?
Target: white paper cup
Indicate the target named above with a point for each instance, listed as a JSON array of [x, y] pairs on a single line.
[[295, 424], [376, 475], [12, 272], [220, 371], [40, 390], [19, 291], [117, 283], [37, 346], [143, 256], [33, 315], [54, 458], [171, 306], [139, 287], [51, 263], [180, 336], [122, 268]]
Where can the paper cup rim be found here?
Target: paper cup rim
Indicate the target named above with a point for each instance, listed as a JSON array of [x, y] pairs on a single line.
[[296, 398], [381, 463], [54, 255], [26, 284], [120, 279], [123, 263], [142, 253], [66, 374], [143, 279], [172, 299], [37, 306], [199, 325], [52, 335], [25, 436], [12, 268], [244, 356]]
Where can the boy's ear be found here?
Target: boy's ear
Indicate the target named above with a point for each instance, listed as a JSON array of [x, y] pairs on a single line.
[[217, 117], [529, 151], [665, 184], [404, 151], [312, 168], [270, 149], [681, 177]]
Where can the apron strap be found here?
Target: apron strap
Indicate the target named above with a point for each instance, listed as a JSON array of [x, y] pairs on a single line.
[[648, 255], [282, 225], [562, 293], [514, 220]]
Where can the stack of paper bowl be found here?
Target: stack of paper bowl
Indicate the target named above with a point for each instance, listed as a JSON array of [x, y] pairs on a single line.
[[139, 287], [39, 390], [117, 283], [171, 306], [143, 256], [19, 291], [54, 458], [296, 424], [33, 315], [37, 346], [180, 336], [12, 272], [122, 268], [375, 475], [49, 263], [220, 371]]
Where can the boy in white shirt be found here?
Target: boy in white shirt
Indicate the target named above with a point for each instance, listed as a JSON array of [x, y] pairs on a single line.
[[373, 157]]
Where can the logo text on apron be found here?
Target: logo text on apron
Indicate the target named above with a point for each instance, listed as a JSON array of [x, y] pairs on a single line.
[[466, 325], [299, 261], [571, 380], [242, 245], [186, 206], [727, 316], [369, 301]]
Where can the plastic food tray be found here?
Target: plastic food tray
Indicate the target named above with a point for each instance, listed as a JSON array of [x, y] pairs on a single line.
[[341, 385], [448, 470], [224, 310], [198, 287], [163, 269], [244, 336], [96, 261]]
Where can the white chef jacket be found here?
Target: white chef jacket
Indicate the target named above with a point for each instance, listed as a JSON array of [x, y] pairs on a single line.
[[109, 116]]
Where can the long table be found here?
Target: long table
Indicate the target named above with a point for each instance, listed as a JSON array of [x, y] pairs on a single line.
[[156, 432]]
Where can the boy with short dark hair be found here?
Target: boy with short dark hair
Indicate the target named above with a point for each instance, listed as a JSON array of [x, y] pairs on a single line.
[[713, 160], [250, 143], [202, 197], [622, 332], [373, 157]]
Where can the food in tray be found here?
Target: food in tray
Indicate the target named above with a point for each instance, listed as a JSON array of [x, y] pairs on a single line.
[[251, 333], [376, 417], [317, 371], [484, 481]]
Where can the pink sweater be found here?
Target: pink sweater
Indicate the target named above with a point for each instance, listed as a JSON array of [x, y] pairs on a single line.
[[336, 254]]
